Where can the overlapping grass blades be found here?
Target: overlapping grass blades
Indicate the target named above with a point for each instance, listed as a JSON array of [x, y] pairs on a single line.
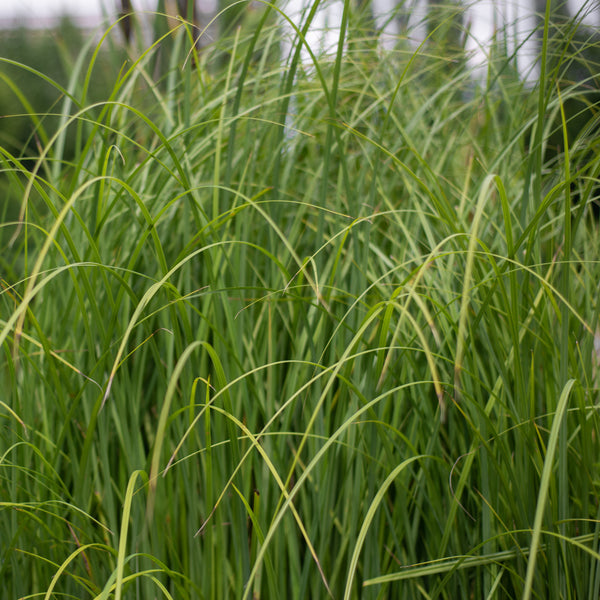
[[233, 368]]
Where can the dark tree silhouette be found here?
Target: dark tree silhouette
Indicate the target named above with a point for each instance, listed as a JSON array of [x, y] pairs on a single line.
[[187, 9], [125, 11]]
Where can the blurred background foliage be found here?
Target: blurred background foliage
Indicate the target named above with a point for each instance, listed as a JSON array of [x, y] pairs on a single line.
[[32, 62]]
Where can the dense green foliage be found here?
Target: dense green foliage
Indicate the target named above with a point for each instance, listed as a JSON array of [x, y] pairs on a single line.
[[38, 71], [351, 356]]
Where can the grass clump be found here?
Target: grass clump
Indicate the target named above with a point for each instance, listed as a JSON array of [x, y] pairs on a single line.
[[347, 352]]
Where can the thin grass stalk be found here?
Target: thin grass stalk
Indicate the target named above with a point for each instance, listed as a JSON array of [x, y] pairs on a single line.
[[544, 485]]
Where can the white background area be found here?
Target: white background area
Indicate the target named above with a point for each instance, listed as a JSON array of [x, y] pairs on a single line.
[[32, 11]]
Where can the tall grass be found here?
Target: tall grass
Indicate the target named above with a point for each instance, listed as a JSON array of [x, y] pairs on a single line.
[[346, 353]]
